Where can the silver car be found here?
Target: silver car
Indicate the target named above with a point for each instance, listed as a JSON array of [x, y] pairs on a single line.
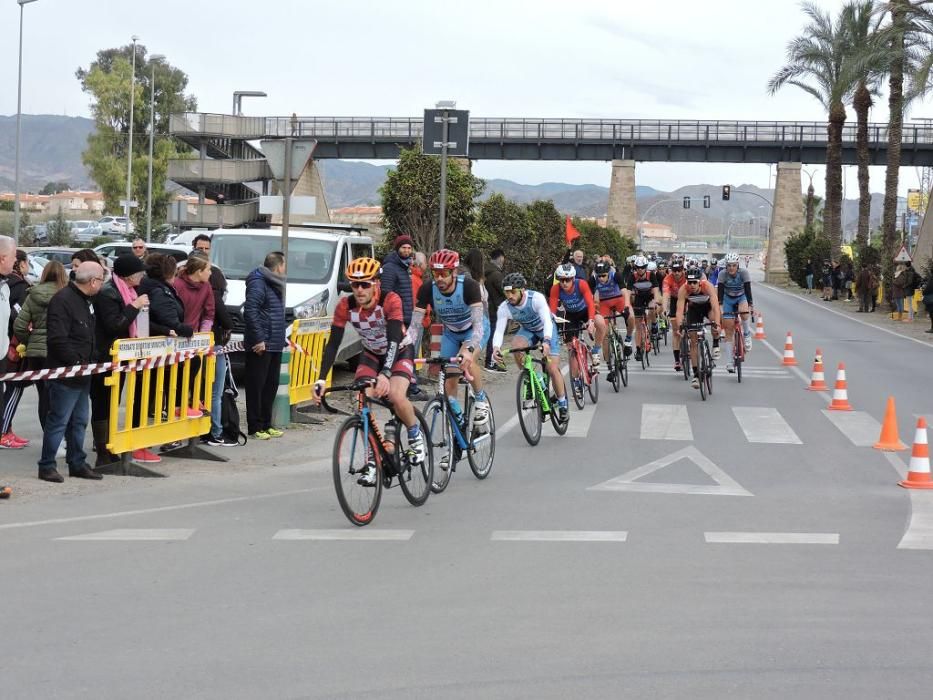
[[85, 231]]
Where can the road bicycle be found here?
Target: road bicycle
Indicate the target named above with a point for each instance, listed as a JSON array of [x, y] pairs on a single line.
[[585, 379], [361, 446], [617, 361], [705, 364], [534, 396], [656, 337], [645, 335], [664, 327], [450, 436], [738, 346]]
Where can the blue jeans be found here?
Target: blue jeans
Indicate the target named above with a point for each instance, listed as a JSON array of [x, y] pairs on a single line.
[[810, 282], [220, 376], [69, 409]]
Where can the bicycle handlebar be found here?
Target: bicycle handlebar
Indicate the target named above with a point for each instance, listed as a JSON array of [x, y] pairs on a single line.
[[444, 361]]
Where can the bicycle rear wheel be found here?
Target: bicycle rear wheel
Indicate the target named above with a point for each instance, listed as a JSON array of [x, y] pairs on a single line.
[[615, 362], [530, 416], [560, 427], [352, 456], [593, 387], [702, 367], [577, 389], [414, 477], [738, 354], [440, 443], [708, 375], [482, 450]]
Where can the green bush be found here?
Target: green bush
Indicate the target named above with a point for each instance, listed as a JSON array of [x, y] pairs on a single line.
[[800, 247]]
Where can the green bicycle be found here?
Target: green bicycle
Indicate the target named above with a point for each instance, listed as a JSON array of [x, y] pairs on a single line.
[[534, 396]]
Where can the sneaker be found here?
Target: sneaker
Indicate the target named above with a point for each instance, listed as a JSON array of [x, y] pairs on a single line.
[[221, 441], [17, 438], [562, 410], [261, 435], [730, 368], [416, 451], [495, 369], [275, 432], [146, 456], [748, 343], [415, 393], [597, 356], [638, 354], [367, 474], [480, 412], [695, 382], [627, 342], [189, 413], [8, 443], [716, 353]]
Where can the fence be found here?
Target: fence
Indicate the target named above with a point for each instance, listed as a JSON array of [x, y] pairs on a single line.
[[166, 385], [308, 338]]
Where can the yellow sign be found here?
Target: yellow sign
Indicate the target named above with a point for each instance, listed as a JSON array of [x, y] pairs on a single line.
[[917, 200], [144, 348]]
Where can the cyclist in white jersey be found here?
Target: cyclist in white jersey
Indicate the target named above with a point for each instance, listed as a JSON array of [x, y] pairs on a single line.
[[735, 297]]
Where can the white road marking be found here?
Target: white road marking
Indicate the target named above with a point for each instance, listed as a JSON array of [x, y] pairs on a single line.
[[559, 536], [725, 484], [661, 421], [134, 535], [771, 537], [359, 534], [796, 370], [764, 424], [861, 429], [919, 532], [720, 371], [580, 421]]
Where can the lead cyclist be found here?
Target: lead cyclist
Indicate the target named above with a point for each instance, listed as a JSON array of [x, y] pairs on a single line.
[[735, 296]]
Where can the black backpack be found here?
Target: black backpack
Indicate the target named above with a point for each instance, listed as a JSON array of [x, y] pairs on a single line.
[[229, 413]]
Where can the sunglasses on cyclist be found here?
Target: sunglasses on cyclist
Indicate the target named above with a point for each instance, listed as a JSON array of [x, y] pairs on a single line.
[[360, 285], [693, 281], [566, 280]]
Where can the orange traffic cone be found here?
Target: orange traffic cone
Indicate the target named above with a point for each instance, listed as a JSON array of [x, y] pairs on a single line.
[[918, 473], [889, 440], [789, 358], [817, 378], [840, 394], [760, 328]]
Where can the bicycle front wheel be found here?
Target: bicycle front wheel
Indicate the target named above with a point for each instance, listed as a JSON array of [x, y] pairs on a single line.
[[482, 450], [415, 477], [354, 457], [738, 351], [593, 386], [708, 375], [702, 367], [560, 426], [440, 443], [530, 416]]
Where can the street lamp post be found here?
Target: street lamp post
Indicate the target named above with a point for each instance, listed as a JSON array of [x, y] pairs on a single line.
[[238, 96], [129, 145], [153, 59], [19, 116]]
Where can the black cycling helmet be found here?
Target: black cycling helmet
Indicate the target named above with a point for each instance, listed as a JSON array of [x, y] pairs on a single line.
[[514, 280], [602, 268], [694, 274]]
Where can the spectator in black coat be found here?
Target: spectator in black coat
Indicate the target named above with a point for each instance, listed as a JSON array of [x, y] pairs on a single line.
[[493, 280], [396, 277], [166, 312]]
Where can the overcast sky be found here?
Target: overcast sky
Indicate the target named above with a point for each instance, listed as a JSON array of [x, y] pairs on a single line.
[[673, 59]]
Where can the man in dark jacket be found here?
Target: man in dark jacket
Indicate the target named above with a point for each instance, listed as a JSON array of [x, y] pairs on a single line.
[[264, 338], [71, 341], [396, 277], [493, 282]]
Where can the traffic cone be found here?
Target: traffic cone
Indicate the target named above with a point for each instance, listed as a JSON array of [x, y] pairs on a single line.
[[817, 378], [760, 328], [789, 358], [918, 473], [889, 441], [840, 394]]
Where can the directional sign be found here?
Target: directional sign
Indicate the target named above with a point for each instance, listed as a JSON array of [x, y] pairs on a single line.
[[274, 151], [133, 203], [902, 255], [725, 484]]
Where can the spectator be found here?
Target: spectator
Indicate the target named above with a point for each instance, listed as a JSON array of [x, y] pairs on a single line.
[[928, 301], [493, 277], [71, 341], [31, 329], [117, 308], [396, 277], [826, 279], [223, 325], [10, 396], [473, 264], [166, 312], [898, 286], [7, 258], [80, 256], [578, 259], [913, 283], [418, 266], [264, 337], [192, 284], [139, 248], [808, 271], [875, 285], [864, 286]]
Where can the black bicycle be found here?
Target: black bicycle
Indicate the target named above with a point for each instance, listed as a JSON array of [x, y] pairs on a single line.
[[705, 364], [618, 362], [366, 460]]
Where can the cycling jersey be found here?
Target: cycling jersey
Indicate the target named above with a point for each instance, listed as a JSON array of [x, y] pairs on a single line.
[[610, 288], [460, 312], [577, 301], [534, 318], [737, 285], [698, 303], [380, 328], [642, 290]]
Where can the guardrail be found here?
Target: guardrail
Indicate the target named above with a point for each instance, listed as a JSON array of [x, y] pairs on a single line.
[[213, 215], [216, 170], [309, 336]]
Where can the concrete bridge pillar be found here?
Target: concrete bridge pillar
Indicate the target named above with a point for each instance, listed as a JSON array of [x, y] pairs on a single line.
[[787, 218], [621, 213], [309, 185], [924, 248]]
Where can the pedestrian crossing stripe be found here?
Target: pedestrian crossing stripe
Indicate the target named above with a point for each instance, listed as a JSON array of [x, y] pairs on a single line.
[[134, 535]]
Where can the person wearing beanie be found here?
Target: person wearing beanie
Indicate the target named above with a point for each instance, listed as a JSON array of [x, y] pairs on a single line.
[[396, 277]]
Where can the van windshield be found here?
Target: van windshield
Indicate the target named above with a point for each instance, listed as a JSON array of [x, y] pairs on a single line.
[[309, 260]]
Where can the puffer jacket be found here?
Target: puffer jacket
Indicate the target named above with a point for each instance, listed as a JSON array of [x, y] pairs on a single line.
[[264, 312], [197, 301], [19, 288], [33, 313], [166, 312], [396, 277]]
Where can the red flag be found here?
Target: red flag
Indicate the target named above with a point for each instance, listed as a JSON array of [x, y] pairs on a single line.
[[571, 233]]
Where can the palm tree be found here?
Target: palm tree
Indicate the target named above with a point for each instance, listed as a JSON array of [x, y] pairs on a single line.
[[817, 63]]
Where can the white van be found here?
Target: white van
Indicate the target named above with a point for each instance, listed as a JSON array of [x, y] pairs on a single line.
[[318, 255]]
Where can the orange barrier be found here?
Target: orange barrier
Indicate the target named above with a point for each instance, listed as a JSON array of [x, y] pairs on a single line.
[[760, 328], [918, 473], [789, 358], [890, 441], [817, 378], [840, 392]]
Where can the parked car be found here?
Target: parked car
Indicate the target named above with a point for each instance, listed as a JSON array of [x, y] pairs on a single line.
[[62, 255], [116, 225], [85, 231], [113, 250], [40, 233]]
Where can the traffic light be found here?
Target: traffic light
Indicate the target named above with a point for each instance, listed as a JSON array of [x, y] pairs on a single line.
[[686, 202], [726, 192], [706, 201]]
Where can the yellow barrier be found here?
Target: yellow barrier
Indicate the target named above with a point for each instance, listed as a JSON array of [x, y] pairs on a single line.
[[154, 413], [309, 334]]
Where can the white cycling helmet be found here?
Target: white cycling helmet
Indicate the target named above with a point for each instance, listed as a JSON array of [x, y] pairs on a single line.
[[732, 258], [565, 271], [640, 262], [652, 266]]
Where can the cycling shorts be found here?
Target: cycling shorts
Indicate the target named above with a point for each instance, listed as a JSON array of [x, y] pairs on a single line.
[[615, 305], [534, 338], [452, 341], [575, 321], [730, 305], [672, 308], [640, 310], [371, 364], [698, 313]]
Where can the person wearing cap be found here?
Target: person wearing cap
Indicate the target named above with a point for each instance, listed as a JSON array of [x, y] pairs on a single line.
[[117, 308], [396, 277]]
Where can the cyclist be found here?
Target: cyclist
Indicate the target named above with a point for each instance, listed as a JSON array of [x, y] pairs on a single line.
[[715, 270], [574, 295], [530, 310], [612, 296], [457, 300], [697, 298], [673, 281], [735, 295], [645, 298], [378, 320]]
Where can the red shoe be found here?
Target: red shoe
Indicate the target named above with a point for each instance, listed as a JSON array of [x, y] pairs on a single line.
[[189, 413], [7, 442], [146, 456], [17, 438]]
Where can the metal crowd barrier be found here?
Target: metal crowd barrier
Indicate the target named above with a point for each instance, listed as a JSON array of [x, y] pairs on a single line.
[[308, 338]]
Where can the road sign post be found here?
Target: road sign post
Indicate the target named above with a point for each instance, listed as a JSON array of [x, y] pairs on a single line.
[[453, 142]]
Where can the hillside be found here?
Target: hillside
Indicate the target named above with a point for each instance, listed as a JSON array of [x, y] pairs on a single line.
[[51, 151]]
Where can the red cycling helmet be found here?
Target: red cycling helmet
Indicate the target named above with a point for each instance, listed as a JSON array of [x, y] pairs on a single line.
[[444, 260]]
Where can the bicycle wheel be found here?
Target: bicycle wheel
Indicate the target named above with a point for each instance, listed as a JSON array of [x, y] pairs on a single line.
[[440, 443], [615, 374], [482, 450], [577, 382], [530, 416], [708, 375], [560, 427], [593, 387], [685, 355], [738, 354], [623, 372], [702, 367], [351, 457], [414, 478]]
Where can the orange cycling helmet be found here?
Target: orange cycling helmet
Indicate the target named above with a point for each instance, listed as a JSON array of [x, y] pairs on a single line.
[[363, 269], [444, 259]]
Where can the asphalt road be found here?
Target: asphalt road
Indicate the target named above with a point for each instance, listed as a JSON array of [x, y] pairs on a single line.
[[746, 546]]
